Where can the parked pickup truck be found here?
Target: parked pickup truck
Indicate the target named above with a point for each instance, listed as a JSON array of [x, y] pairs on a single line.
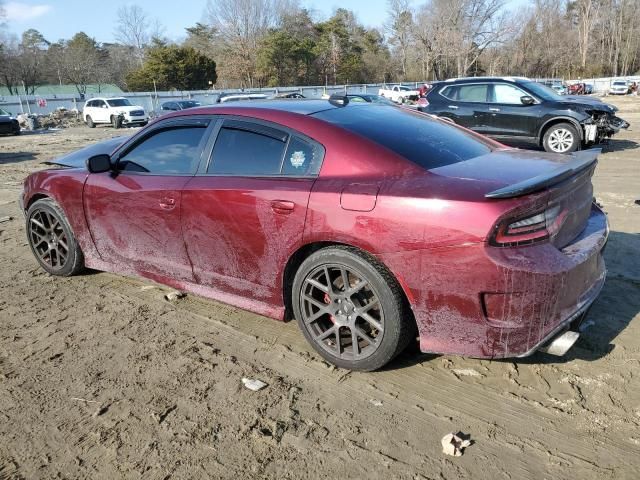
[[399, 93]]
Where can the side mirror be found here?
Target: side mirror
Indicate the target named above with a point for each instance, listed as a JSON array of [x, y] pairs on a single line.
[[99, 163], [527, 100]]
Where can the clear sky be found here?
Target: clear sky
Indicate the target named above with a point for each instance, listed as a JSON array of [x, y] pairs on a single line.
[[57, 19]]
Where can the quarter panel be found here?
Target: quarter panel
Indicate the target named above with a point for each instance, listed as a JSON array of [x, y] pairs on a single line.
[[65, 186]]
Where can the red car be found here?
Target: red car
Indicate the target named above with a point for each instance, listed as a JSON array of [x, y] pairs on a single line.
[[370, 224]]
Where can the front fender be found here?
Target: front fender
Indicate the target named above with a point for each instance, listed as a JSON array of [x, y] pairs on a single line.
[[576, 122], [65, 187]]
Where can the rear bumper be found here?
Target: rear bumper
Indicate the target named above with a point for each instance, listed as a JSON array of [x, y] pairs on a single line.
[[567, 323], [492, 302]]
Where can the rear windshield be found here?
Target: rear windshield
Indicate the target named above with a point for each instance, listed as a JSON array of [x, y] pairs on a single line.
[[417, 137]]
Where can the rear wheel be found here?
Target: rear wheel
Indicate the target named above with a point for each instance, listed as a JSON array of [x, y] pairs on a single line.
[[351, 309], [51, 239], [561, 138], [89, 121]]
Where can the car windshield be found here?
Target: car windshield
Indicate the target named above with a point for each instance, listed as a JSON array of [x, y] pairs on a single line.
[[189, 104], [4, 112], [620, 84], [542, 91], [406, 89], [119, 102], [426, 141]]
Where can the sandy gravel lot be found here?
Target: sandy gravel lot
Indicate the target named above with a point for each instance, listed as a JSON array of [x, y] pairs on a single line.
[[100, 377]]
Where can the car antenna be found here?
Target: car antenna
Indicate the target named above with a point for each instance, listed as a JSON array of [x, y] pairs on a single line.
[[338, 100]]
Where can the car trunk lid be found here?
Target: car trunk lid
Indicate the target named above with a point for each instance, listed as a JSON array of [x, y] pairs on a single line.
[[512, 173]]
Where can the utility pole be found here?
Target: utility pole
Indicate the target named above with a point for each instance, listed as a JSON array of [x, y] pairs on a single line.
[[26, 96]]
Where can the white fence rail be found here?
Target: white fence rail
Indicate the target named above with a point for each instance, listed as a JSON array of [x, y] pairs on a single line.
[[151, 101]]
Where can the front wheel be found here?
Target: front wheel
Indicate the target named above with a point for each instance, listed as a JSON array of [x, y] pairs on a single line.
[[561, 138], [351, 309], [51, 239]]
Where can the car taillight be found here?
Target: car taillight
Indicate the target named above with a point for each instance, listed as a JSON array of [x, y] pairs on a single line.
[[527, 228], [422, 102]]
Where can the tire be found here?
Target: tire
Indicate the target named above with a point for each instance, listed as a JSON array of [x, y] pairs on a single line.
[[44, 219], [116, 121], [376, 314], [89, 121], [561, 138]]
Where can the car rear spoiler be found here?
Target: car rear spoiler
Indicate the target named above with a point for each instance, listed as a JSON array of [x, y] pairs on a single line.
[[580, 161]]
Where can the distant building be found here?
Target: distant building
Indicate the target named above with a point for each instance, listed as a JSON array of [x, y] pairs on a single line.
[[67, 90]]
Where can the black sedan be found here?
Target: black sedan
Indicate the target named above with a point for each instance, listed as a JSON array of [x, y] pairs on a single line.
[[8, 124], [179, 105]]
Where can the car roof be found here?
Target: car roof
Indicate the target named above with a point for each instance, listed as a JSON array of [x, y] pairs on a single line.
[[487, 79], [303, 106]]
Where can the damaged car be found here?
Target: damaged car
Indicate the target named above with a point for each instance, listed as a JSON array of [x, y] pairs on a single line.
[[371, 225], [517, 110]]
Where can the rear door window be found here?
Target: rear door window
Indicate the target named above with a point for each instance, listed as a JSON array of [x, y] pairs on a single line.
[[473, 93], [252, 149], [244, 149], [302, 158]]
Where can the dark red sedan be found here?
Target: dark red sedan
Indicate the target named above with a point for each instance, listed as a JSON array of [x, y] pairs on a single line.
[[370, 224]]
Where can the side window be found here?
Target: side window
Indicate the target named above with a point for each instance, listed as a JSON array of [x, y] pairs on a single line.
[[508, 94], [450, 92], [302, 158], [243, 152], [170, 151], [472, 93]]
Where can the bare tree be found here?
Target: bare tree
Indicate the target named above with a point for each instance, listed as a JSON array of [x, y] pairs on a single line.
[[240, 25], [136, 29], [400, 27]]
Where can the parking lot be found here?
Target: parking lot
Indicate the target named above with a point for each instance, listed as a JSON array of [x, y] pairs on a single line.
[[101, 377]]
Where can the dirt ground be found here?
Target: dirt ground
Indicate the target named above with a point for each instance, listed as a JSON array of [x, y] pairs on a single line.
[[100, 377]]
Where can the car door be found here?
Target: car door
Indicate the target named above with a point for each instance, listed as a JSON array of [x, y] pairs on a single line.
[[134, 213], [508, 116], [100, 114], [244, 213], [467, 105]]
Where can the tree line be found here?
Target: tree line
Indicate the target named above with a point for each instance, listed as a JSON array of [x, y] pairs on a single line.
[[257, 43]]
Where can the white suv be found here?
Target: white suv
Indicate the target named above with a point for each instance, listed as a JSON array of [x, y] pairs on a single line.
[[111, 110]]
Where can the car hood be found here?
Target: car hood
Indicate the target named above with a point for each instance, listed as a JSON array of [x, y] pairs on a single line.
[[129, 108], [588, 103], [79, 158], [513, 171]]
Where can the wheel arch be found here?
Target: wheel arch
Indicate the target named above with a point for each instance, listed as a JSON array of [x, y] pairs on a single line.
[[556, 120], [34, 198], [296, 259]]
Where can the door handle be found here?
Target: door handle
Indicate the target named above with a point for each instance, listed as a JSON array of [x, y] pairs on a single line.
[[167, 203], [494, 109], [452, 107], [282, 206]]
